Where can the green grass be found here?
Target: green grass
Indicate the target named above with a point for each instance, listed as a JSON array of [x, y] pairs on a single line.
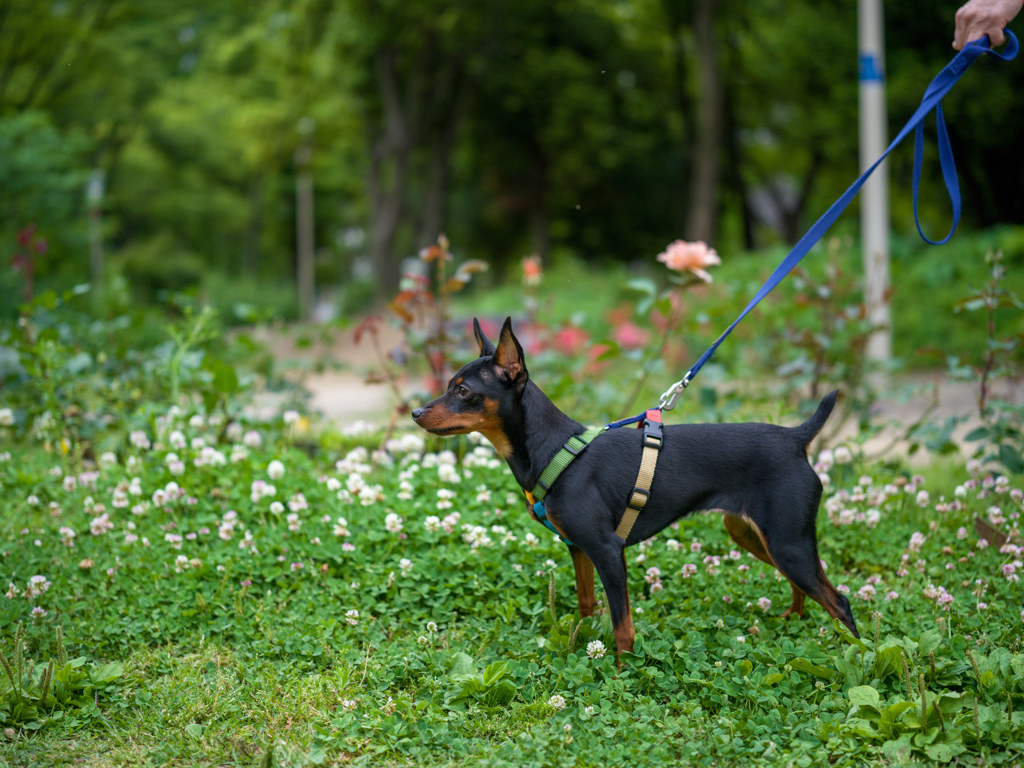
[[241, 652]]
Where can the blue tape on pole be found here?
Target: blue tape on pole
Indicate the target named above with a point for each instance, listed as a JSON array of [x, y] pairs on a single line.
[[869, 68]]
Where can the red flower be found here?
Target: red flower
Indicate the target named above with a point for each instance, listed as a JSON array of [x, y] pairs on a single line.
[[570, 340], [630, 336]]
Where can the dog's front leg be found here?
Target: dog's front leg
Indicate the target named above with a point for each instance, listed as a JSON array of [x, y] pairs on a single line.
[[584, 581], [611, 567]]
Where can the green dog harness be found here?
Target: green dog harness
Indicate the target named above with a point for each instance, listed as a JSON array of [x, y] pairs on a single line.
[[574, 446]]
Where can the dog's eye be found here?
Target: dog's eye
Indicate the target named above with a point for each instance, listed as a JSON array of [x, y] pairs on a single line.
[[463, 391]]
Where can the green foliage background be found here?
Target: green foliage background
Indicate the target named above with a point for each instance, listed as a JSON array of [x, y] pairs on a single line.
[[564, 127]]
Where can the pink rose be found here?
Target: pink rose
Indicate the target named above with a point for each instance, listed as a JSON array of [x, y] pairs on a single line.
[[690, 257]]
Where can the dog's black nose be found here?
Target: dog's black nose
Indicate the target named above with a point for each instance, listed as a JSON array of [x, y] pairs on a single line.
[[417, 413]]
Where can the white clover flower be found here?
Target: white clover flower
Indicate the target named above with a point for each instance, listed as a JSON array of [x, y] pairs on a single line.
[[276, 507], [405, 565], [67, 536], [138, 439], [596, 649], [290, 417], [32, 500], [917, 540], [37, 585], [352, 617], [922, 499], [557, 702], [843, 455], [100, 525], [476, 536], [764, 604], [588, 711], [6, 417], [355, 483], [252, 439], [393, 523], [826, 459], [211, 456], [174, 539], [333, 484], [275, 470], [294, 523], [176, 439], [370, 494], [446, 473], [432, 523]]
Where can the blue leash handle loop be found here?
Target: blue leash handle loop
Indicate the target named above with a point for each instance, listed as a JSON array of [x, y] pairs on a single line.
[[939, 87]]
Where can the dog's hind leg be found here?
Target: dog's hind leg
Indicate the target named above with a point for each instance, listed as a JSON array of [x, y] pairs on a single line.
[[584, 581], [748, 536], [795, 552]]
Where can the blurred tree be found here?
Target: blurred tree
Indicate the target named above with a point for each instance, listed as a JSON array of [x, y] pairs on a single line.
[[42, 174], [601, 128]]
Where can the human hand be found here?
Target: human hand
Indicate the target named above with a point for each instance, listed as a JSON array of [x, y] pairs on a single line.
[[984, 17]]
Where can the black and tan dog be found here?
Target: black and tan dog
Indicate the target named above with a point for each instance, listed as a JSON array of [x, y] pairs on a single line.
[[757, 474]]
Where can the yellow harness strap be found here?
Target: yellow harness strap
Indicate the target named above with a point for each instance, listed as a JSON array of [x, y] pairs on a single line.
[[645, 477]]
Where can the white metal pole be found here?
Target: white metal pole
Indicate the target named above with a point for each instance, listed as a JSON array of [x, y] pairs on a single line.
[[94, 194], [305, 235], [874, 196]]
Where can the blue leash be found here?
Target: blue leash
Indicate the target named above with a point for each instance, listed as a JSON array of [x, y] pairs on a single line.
[[938, 88]]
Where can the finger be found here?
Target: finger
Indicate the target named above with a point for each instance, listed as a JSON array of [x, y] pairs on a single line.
[[962, 21], [978, 29], [996, 37]]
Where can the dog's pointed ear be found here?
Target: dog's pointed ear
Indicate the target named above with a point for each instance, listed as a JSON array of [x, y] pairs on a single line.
[[486, 347], [509, 358]]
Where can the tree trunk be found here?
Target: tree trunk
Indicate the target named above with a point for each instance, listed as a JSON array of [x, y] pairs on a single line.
[[389, 167], [540, 235], [791, 217], [439, 170], [254, 227], [305, 236], [703, 198], [734, 166]]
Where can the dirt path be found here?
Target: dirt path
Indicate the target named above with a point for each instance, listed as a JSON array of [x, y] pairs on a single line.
[[341, 395]]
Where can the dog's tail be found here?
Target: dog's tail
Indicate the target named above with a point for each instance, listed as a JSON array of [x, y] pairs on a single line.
[[810, 428]]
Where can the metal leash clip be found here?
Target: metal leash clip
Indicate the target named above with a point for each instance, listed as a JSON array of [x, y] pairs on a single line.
[[671, 397]]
